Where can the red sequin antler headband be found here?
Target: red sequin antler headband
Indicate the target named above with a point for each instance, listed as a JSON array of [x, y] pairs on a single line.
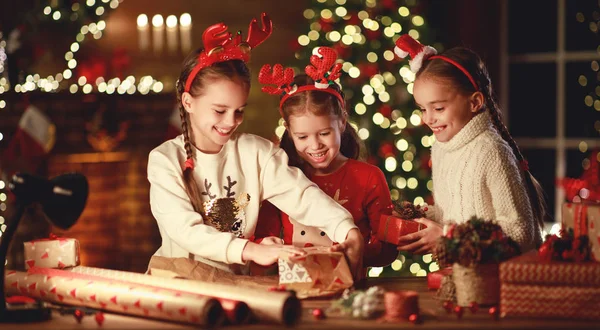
[[220, 46], [406, 45], [323, 70]]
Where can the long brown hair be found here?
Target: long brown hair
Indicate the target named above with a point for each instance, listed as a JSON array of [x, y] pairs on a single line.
[[319, 104], [234, 70], [476, 67]]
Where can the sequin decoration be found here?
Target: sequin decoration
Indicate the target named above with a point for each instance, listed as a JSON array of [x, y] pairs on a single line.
[[227, 213]]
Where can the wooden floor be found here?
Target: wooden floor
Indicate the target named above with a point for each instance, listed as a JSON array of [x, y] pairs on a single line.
[[434, 317]]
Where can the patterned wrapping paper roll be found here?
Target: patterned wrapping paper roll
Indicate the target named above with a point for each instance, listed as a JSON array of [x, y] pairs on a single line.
[[237, 312], [63, 287], [269, 306]]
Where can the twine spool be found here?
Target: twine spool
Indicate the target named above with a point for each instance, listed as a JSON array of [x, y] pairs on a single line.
[[480, 284], [399, 305]]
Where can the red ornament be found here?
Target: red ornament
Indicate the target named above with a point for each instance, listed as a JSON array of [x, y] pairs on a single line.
[[386, 149], [448, 305], [372, 35], [342, 50], [493, 311], [389, 4], [474, 307], [318, 314], [353, 20], [385, 110], [414, 318], [295, 45], [458, 310], [78, 315], [99, 318]]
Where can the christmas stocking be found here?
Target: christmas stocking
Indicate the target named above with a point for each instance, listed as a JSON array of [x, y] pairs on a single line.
[[33, 140]]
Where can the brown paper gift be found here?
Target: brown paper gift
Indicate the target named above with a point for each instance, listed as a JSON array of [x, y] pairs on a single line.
[[110, 294], [53, 252], [559, 301], [584, 219], [318, 273], [265, 305]]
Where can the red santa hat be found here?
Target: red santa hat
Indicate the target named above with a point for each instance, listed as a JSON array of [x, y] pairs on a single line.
[[407, 45], [32, 141]]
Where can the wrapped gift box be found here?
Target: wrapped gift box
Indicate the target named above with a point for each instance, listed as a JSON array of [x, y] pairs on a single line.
[[318, 273], [532, 288], [569, 302], [53, 252], [391, 228], [584, 219]]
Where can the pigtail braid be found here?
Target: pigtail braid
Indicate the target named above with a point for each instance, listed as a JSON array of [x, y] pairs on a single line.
[[189, 181], [534, 189]]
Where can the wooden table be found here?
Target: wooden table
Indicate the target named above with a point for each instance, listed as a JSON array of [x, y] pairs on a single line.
[[433, 315]]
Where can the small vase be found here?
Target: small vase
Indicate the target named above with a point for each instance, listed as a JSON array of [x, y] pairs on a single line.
[[480, 284]]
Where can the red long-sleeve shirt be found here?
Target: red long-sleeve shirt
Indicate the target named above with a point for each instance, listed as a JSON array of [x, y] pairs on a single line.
[[359, 187]]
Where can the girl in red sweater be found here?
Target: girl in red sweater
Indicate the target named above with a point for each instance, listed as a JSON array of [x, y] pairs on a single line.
[[320, 141]]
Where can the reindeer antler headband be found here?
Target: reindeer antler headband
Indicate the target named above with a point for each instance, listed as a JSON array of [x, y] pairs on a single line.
[[220, 45], [322, 69], [406, 45]]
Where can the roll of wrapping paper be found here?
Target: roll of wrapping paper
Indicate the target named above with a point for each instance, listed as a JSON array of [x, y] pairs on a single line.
[[64, 287], [237, 312], [270, 306], [399, 305]]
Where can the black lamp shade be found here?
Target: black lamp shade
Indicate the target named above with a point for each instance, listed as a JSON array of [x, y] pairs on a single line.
[[63, 198]]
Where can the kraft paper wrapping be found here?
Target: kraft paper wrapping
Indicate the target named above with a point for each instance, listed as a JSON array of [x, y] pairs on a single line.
[[320, 273], [265, 305], [54, 252], [64, 287]]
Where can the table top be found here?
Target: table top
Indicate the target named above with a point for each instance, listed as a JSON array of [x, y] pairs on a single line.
[[433, 315]]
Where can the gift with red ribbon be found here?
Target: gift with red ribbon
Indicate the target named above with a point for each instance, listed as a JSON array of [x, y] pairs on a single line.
[[52, 252], [391, 228], [584, 219], [318, 273]]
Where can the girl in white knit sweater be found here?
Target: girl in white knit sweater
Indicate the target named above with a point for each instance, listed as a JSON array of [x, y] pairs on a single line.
[[477, 168]]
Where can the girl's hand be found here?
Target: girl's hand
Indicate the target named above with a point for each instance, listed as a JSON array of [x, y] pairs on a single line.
[[271, 240], [266, 255], [353, 247], [422, 241]]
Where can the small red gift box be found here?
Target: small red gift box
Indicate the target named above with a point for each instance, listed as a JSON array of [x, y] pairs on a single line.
[[391, 228]]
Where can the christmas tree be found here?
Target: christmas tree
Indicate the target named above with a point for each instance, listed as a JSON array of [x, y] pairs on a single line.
[[378, 89]]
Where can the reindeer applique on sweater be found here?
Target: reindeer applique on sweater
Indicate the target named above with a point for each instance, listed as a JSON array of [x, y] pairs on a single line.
[[226, 213]]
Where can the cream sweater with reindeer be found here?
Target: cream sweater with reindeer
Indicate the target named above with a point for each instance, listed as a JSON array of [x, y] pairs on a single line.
[[247, 170], [477, 174]]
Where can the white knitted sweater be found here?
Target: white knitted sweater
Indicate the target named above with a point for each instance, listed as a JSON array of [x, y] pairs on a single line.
[[477, 174]]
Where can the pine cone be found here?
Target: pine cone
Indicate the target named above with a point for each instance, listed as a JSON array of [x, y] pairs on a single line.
[[406, 210]]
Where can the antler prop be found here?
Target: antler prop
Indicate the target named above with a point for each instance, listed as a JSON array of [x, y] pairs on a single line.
[[220, 45], [257, 35], [282, 79], [323, 68]]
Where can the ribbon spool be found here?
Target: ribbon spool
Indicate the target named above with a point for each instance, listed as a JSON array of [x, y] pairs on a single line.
[[399, 305]]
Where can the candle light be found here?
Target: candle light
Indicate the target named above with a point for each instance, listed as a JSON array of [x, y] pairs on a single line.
[[185, 31], [158, 38], [143, 32]]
